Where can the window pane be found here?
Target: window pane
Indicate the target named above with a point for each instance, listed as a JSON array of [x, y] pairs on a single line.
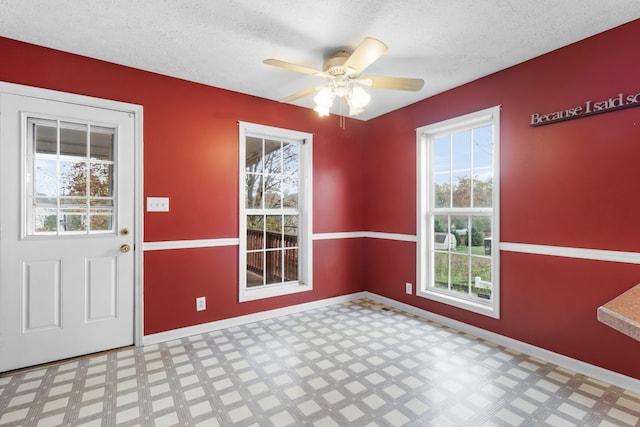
[[460, 230], [73, 219], [253, 189], [481, 277], [101, 183], [73, 179], [45, 182], [101, 220], [442, 190], [255, 269], [289, 159], [255, 232], [441, 270], [272, 157], [290, 192], [443, 240], [290, 265], [46, 137], [461, 190], [274, 266], [483, 147], [483, 189], [291, 230], [253, 156], [442, 154], [102, 143], [460, 273], [462, 150], [274, 231], [481, 235], [45, 220], [272, 192], [73, 140]]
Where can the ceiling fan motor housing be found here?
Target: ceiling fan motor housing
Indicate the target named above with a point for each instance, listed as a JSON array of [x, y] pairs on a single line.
[[335, 65]]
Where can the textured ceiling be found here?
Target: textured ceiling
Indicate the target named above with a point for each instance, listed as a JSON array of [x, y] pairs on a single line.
[[222, 42]]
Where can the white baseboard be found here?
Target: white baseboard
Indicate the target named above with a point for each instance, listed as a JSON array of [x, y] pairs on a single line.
[[243, 320], [596, 372]]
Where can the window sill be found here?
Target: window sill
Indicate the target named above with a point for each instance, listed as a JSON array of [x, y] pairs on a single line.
[[489, 310], [271, 291]]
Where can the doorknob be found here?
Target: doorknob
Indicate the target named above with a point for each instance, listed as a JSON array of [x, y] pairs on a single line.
[[125, 248]]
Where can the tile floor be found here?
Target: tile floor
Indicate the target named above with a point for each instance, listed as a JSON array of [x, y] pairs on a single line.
[[354, 364]]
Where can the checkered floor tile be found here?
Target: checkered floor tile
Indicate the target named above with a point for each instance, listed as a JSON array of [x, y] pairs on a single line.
[[354, 364]]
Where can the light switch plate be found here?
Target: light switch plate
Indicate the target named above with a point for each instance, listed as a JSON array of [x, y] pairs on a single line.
[[157, 204]]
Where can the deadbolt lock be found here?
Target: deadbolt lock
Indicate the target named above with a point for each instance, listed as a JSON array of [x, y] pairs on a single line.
[[124, 231]]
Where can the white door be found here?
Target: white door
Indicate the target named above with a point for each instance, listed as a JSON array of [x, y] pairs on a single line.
[[66, 218]]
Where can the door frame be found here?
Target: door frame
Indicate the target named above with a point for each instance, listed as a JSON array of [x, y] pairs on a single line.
[[138, 205]]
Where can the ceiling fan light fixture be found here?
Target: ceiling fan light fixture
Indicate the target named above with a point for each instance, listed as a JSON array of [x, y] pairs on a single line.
[[322, 110], [324, 98], [359, 98]]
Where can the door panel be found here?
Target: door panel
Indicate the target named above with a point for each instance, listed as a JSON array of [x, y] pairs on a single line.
[[66, 287]]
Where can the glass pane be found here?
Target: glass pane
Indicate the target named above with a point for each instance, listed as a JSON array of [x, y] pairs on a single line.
[[255, 269], [290, 159], [481, 235], [101, 183], [73, 201], [462, 150], [290, 192], [253, 191], [272, 192], [481, 277], [461, 190], [272, 157], [101, 202], [44, 220], [442, 239], [101, 220], [73, 140], [45, 182], [274, 266], [442, 154], [442, 190], [274, 231], [290, 265], [73, 179], [483, 146], [291, 230], [253, 157], [46, 137], [45, 201], [73, 220], [483, 188], [101, 144], [460, 231], [255, 232], [460, 273], [441, 270]]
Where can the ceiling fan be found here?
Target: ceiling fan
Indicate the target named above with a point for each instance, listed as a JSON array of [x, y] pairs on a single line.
[[342, 72]]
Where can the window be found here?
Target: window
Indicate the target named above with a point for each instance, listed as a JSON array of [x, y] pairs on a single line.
[[70, 178], [275, 211], [458, 207]]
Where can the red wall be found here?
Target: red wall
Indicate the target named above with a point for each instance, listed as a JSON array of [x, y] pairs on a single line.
[[191, 156], [570, 184]]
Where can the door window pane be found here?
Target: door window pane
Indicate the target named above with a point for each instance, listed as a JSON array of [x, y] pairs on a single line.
[[63, 182]]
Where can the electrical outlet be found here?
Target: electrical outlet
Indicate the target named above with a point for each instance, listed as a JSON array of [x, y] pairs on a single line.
[[201, 303], [409, 287]]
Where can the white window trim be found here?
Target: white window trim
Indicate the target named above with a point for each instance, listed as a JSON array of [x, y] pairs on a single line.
[[305, 206], [424, 199]]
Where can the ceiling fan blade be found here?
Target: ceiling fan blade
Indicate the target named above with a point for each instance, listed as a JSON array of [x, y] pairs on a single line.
[[365, 54], [292, 67], [395, 83], [300, 94]]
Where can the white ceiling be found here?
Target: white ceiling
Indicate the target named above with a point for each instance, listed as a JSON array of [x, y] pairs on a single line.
[[222, 42]]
